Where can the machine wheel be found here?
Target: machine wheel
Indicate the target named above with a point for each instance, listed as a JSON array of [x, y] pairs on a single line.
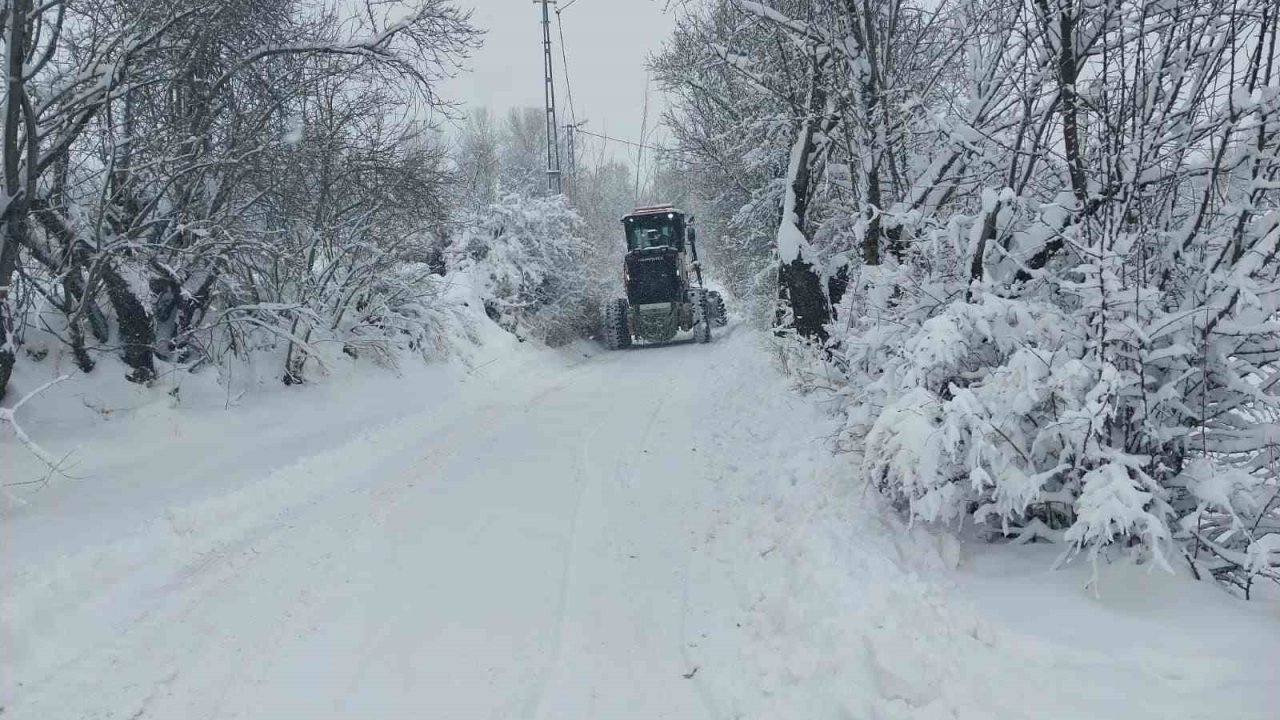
[[701, 318], [715, 305], [617, 328]]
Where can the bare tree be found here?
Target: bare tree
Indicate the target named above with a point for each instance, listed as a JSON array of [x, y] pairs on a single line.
[[135, 129]]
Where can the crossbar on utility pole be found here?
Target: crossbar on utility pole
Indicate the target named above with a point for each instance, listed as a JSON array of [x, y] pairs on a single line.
[[549, 90]]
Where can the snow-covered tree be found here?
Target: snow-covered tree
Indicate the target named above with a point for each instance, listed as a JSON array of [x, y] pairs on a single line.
[[529, 254], [1048, 233], [161, 169]]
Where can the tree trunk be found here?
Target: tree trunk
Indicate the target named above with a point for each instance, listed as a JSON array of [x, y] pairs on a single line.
[[16, 187], [988, 235], [71, 300], [863, 28], [8, 347], [1066, 74], [136, 333], [800, 289], [800, 286], [837, 286]]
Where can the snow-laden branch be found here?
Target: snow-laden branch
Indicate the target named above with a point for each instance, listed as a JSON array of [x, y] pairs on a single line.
[[10, 415]]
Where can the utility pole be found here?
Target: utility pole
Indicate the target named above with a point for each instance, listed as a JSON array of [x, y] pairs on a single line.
[[549, 90], [571, 173]]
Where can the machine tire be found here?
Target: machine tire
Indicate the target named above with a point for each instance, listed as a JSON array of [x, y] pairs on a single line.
[[617, 327], [701, 318], [715, 303]]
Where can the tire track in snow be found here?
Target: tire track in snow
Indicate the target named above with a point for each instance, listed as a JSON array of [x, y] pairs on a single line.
[[536, 707], [628, 597], [178, 587]]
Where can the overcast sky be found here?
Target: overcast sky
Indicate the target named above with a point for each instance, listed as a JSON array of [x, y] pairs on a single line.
[[607, 43]]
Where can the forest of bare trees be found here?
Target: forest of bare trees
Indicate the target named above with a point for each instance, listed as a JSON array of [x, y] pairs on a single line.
[[187, 180], [1030, 244]]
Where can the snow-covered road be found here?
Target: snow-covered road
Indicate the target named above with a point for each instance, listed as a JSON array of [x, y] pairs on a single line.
[[523, 555], [648, 534]]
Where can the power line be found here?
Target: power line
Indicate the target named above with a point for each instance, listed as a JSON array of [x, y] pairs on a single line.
[[564, 59], [655, 148], [644, 135], [574, 125]]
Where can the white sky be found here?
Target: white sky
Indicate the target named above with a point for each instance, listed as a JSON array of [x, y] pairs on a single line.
[[607, 41]]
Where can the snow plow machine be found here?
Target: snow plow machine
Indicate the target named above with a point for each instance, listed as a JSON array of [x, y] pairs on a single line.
[[663, 279]]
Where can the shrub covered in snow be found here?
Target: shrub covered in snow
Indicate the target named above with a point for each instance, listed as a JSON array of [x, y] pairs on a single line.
[[1014, 413], [530, 257], [1099, 414]]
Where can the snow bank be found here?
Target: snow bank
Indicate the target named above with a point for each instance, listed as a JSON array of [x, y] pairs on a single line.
[[842, 611], [166, 480], [130, 453]]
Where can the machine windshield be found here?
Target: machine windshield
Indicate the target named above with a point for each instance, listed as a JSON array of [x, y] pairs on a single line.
[[646, 231]]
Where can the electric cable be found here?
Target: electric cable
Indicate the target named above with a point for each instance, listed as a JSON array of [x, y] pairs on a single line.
[[573, 113], [655, 148], [564, 60]]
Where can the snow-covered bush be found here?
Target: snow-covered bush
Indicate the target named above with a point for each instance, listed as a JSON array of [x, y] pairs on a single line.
[[1007, 412], [1096, 411], [529, 255], [989, 408]]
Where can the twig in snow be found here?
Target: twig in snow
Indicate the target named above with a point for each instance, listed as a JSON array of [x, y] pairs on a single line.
[[10, 415], [481, 367]]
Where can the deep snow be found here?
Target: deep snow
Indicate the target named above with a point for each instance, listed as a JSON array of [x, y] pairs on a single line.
[[516, 533]]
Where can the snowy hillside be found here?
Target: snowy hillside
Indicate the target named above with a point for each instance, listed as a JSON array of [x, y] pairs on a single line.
[[528, 533]]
